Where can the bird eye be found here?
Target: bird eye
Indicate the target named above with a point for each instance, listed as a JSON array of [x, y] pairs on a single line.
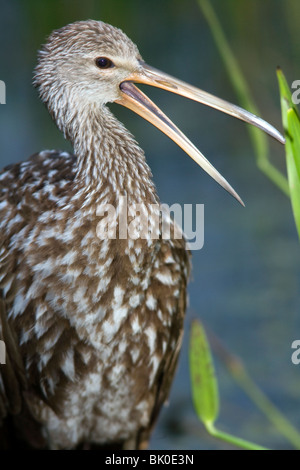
[[104, 63]]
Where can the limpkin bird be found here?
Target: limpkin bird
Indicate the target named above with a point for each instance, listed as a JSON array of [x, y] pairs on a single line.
[[92, 324]]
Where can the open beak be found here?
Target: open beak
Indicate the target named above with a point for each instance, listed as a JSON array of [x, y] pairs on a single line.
[[138, 102]]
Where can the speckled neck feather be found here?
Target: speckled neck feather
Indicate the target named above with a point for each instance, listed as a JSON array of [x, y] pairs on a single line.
[[108, 155]]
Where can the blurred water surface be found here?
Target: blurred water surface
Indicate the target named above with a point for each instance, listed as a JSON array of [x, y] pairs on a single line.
[[245, 283]]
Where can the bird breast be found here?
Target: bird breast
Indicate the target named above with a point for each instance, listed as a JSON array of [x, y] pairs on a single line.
[[97, 320]]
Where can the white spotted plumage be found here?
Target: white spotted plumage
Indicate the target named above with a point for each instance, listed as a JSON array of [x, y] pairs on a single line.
[[96, 323]]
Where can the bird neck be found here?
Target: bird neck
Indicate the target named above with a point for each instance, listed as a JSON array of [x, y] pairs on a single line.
[[109, 159]]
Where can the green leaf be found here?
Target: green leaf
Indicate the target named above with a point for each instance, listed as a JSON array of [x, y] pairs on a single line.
[[293, 163], [291, 124], [285, 96], [203, 380], [294, 136], [205, 387]]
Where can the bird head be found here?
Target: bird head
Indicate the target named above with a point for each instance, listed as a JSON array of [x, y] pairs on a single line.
[[90, 63], [86, 61]]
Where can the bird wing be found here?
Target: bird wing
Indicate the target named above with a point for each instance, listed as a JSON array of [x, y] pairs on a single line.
[[14, 395], [21, 200], [166, 372], [12, 374]]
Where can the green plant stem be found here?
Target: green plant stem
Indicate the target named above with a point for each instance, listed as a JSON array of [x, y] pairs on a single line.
[[230, 63], [236, 441], [240, 375], [258, 139], [267, 407], [273, 174], [205, 387]]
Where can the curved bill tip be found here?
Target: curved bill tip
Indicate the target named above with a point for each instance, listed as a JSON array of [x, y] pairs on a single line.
[[134, 99], [137, 101]]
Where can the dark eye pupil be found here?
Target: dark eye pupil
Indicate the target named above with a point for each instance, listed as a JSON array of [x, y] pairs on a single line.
[[103, 63]]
